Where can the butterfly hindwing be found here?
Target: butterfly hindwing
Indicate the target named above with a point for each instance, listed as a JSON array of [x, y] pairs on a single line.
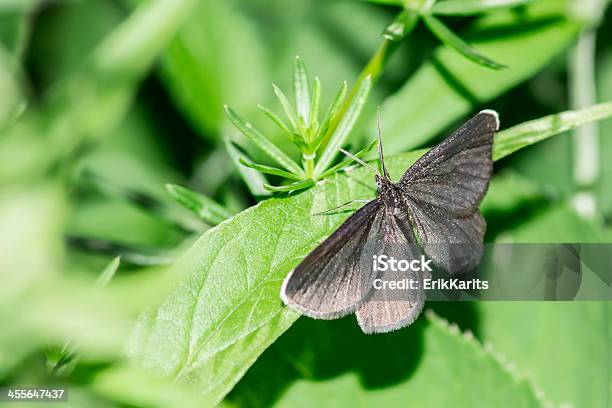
[[328, 283], [389, 309]]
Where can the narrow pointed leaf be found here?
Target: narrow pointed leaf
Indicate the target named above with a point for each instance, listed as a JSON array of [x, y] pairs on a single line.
[[449, 38], [108, 272], [300, 88], [129, 254], [282, 98], [263, 143], [275, 118], [528, 133], [162, 210], [314, 103], [252, 178], [345, 126], [429, 102], [299, 185], [205, 208], [398, 3], [333, 109], [360, 154], [269, 170], [471, 7]]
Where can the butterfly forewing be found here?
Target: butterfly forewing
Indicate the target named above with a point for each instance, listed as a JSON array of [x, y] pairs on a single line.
[[328, 282], [455, 174]]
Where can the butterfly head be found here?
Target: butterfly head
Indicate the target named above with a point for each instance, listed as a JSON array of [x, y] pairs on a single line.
[[388, 191]]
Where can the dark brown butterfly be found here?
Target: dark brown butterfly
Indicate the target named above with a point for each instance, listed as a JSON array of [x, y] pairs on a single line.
[[438, 198]]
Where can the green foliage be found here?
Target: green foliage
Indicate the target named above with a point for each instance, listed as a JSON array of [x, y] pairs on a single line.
[[133, 294], [487, 379], [449, 87], [193, 343], [305, 131], [205, 208]]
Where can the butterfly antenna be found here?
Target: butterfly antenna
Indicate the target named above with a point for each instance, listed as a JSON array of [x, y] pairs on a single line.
[[358, 160], [381, 157]]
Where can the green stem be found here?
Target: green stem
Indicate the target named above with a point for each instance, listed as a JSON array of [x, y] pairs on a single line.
[[402, 25], [309, 164]]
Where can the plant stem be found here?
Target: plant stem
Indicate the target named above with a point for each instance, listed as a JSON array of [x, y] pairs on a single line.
[[583, 92], [402, 25], [309, 164]]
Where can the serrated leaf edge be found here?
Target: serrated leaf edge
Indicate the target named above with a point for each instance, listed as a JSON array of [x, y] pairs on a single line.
[[507, 366]]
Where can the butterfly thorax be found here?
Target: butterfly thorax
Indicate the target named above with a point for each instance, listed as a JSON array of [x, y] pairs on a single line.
[[388, 192]]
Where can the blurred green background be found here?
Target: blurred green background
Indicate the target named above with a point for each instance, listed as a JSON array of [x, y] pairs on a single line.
[[105, 102]]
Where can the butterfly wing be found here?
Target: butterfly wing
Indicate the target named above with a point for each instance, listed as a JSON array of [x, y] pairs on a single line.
[[327, 284], [389, 309], [444, 189]]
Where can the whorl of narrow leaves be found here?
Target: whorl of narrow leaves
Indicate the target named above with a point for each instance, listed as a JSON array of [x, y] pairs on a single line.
[[304, 126]]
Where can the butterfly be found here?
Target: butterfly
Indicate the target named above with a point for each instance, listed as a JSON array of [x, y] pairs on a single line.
[[433, 209]]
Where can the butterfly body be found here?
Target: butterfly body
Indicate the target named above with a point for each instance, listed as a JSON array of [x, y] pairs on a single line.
[[436, 200]]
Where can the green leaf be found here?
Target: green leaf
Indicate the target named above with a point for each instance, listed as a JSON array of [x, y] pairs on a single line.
[[108, 272], [217, 58], [138, 387], [344, 127], [274, 117], [89, 104], [332, 364], [207, 209], [399, 3], [298, 185], [449, 87], [360, 154], [144, 201], [581, 336], [528, 133], [471, 7], [14, 29], [314, 103], [449, 38], [252, 178], [269, 170], [263, 143], [282, 98], [13, 102], [332, 111], [141, 256], [301, 90]]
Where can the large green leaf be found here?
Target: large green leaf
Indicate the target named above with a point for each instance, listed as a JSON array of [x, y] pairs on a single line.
[[450, 86], [575, 332], [430, 365], [528, 333]]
